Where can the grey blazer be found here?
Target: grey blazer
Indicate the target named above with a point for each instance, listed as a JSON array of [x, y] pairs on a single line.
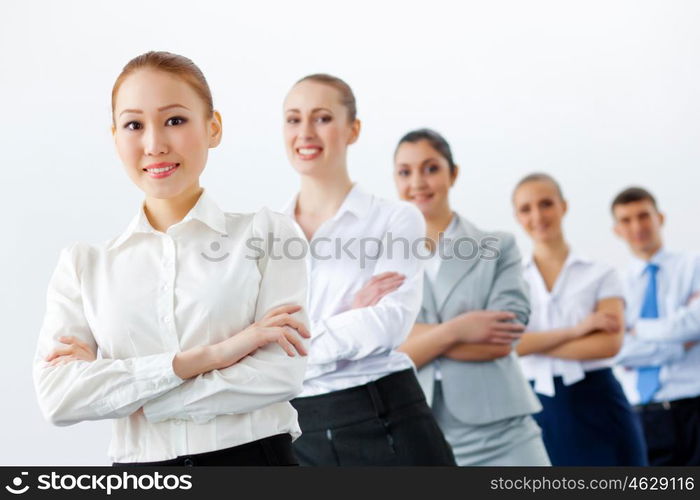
[[479, 392]]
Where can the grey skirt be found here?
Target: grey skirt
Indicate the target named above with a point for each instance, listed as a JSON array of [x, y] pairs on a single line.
[[511, 441]]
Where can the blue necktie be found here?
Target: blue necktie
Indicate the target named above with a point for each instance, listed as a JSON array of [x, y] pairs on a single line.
[[648, 376]]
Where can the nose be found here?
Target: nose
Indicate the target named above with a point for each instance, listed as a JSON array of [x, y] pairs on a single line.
[[306, 130], [536, 215], [154, 142], [417, 181], [636, 227]]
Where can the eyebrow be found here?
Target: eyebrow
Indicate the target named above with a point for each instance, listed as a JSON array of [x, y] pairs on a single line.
[[163, 108], [427, 160], [313, 110]]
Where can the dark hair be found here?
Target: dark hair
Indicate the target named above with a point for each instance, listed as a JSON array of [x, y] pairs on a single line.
[[347, 97], [632, 194], [174, 64], [436, 141], [538, 177]]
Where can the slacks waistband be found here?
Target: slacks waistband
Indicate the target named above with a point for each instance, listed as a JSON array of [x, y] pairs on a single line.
[[272, 450], [356, 404]]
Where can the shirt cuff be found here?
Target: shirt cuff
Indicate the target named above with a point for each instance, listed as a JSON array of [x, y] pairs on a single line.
[[157, 371], [152, 376], [169, 405], [649, 329], [330, 343]]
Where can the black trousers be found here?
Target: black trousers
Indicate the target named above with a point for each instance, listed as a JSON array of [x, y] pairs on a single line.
[[385, 422], [273, 450], [672, 431]]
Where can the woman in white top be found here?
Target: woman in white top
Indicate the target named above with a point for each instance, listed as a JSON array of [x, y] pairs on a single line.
[[199, 339], [576, 327], [361, 403]]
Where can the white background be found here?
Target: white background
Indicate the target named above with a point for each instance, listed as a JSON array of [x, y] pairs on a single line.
[[602, 94]]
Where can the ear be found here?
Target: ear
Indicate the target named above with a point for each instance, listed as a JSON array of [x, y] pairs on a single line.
[[617, 230], [113, 129], [454, 174], [662, 219], [565, 206], [355, 132], [215, 129]]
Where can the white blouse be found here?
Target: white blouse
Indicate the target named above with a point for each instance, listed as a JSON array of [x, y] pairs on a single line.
[[351, 347], [581, 284], [433, 264], [146, 295]]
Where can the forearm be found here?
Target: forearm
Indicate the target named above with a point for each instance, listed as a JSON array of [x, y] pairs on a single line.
[[427, 342], [102, 389], [477, 352], [596, 345], [359, 333], [540, 342], [195, 361], [203, 359], [669, 330], [265, 377], [636, 352]]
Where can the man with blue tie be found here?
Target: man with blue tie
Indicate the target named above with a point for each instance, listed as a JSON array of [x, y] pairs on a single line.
[[660, 358]]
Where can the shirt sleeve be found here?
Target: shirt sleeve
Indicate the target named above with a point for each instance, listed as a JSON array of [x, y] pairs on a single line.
[[610, 286], [358, 333], [269, 375], [681, 325], [81, 390], [509, 291], [636, 352]]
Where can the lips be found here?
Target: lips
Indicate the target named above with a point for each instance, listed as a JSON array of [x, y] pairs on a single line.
[[161, 170], [422, 198], [309, 152]]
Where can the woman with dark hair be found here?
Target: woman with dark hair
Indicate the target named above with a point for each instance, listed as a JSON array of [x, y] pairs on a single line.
[[361, 403], [200, 343], [576, 328], [474, 309]]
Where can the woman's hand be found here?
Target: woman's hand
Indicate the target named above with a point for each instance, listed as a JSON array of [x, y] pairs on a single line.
[[376, 288], [486, 327], [277, 326], [598, 321], [75, 350]]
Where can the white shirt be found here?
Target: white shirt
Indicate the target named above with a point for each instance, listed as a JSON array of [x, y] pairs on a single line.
[[581, 284], [432, 268], [351, 347], [660, 342], [432, 265], [145, 295]]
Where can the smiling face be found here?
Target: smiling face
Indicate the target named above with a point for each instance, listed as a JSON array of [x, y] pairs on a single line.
[[162, 133], [317, 131], [422, 176], [639, 224], [539, 209]]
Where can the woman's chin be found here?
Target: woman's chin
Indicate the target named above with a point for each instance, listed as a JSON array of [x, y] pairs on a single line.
[[311, 168], [165, 191]]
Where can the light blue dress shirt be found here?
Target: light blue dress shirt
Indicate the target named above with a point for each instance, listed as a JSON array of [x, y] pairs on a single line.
[[661, 341]]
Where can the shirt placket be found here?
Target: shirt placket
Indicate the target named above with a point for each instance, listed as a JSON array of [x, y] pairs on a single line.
[[166, 317]]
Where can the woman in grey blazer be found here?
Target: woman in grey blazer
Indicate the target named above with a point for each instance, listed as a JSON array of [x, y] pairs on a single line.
[[475, 306]]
